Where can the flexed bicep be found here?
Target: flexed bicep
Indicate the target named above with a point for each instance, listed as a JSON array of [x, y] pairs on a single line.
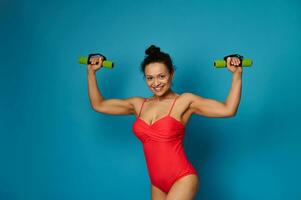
[[208, 107], [117, 106]]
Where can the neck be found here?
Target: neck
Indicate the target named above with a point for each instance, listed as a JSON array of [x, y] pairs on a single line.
[[167, 95]]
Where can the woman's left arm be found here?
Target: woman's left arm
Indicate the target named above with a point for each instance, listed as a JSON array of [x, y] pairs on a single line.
[[213, 108]]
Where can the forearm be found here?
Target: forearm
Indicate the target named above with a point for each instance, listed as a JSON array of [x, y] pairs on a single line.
[[93, 91], [233, 98]]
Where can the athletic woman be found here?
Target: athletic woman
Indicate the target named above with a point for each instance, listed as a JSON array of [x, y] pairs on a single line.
[[161, 119]]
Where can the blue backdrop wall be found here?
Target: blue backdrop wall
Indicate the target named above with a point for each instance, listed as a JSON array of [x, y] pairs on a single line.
[[54, 146]]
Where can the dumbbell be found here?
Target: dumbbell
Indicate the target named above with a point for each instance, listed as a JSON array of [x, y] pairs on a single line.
[[106, 63], [223, 63]]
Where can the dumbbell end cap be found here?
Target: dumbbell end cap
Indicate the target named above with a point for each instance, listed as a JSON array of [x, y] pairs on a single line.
[[83, 60]]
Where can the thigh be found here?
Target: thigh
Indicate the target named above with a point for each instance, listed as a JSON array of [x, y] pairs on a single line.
[[157, 194], [184, 189]]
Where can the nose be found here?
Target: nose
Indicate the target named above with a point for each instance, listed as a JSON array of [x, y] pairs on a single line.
[[156, 82]]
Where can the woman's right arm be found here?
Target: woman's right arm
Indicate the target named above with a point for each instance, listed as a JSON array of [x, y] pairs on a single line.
[[107, 106]]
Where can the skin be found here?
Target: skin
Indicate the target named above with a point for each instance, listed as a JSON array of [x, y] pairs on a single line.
[[157, 75]]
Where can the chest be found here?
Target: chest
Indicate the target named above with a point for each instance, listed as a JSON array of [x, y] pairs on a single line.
[[154, 111], [164, 129]]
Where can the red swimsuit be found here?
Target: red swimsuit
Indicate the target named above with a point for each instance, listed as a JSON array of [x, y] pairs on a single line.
[[163, 149]]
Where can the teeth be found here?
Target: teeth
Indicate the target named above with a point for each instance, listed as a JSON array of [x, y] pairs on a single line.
[[158, 88]]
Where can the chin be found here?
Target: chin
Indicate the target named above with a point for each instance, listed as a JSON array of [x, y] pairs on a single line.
[[159, 93]]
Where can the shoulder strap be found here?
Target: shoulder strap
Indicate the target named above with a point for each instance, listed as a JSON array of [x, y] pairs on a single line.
[[141, 107], [172, 105]]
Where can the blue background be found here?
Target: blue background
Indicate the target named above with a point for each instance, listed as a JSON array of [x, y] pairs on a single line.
[[54, 146]]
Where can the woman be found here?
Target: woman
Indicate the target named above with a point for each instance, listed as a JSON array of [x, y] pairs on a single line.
[[161, 119]]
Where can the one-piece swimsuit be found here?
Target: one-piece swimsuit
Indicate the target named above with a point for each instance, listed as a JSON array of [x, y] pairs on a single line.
[[163, 149]]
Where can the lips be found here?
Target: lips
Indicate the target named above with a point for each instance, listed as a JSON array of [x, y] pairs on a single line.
[[158, 89]]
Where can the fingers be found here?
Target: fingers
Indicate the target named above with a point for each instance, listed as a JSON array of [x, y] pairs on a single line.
[[93, 60], [233, 61], [100, 60], [96, 60]]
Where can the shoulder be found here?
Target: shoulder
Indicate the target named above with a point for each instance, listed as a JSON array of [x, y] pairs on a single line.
[[135, 100], [191, 99], [188, 96]]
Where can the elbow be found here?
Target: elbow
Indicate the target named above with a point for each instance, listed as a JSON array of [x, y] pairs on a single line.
[[93, 105], [97, 107], [231, 113], [228, 112]]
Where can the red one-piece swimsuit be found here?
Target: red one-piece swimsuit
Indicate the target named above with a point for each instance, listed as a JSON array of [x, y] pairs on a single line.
[[163, 149]]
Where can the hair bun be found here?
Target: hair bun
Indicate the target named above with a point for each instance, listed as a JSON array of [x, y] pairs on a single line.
[[152, 50]]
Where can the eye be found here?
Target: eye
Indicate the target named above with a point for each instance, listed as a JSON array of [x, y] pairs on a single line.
[[162, 76], [149, 78]]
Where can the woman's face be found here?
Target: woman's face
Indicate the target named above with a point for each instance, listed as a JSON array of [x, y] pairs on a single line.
[[158, 78]]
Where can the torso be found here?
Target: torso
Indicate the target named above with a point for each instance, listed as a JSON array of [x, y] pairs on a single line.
[[155, 110], [160, 126]]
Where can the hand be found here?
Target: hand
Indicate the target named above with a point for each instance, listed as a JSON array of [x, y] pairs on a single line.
[[234, 64], [95, 63]]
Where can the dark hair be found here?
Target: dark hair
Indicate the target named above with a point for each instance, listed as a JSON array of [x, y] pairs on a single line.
[[155, 55]]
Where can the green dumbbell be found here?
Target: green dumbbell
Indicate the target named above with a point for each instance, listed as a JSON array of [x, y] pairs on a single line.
[[223, 63], [106, 63]]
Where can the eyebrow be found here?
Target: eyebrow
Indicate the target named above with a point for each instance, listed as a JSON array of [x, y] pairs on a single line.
[[162, 73]]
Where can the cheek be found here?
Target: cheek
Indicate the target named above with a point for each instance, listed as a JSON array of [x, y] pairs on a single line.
[[148, 83], [167, 84], [167, 81]]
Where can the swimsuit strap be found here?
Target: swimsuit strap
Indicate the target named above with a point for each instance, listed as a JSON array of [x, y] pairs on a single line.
[[141, 108], [172, 105]]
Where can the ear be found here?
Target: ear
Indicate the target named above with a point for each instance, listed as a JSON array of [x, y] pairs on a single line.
[[171, 75]]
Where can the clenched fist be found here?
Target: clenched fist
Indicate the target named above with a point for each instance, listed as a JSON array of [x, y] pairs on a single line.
[[234, 64]]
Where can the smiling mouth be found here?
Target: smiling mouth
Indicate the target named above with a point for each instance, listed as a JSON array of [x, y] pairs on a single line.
[[158, 89]]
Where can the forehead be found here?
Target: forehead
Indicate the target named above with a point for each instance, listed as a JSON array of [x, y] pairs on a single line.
[[153, 69]]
